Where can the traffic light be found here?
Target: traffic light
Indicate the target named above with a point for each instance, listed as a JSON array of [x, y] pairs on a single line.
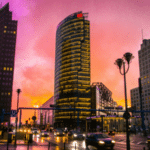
[[26, 122]]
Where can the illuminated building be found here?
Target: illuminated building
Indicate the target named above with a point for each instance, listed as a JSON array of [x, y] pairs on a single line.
[[8, 30], [72, 69], [144, 68], [101, 97], [46, 116]]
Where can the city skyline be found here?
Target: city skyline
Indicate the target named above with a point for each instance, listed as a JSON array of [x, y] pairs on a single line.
[[115, 28]]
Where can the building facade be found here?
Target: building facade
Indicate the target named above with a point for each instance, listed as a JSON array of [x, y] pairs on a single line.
[[72, 69], [101, 97], [46, 116], [144, 68], [8, 31], [135, 101]]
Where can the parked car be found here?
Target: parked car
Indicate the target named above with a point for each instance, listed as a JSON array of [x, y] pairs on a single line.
[[99, 140], [44, 133], [35, 130], [76, 134], [59, 132], [111, 133]]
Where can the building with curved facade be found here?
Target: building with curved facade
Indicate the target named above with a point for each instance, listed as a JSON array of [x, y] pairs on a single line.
[[72, 69]]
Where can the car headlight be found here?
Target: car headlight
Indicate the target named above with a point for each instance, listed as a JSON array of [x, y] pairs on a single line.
[[113, 141], [75, 135], [101, 142], [20, 130]]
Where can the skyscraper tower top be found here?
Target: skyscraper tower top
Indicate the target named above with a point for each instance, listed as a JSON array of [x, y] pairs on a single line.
[[78, 14]]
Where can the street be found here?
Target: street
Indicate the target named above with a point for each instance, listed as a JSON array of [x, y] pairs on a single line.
[[137, 142]]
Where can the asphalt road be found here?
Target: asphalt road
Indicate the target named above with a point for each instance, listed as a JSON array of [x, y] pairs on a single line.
[[137, 142]]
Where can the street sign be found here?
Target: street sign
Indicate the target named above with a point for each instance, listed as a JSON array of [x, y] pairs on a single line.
[[126, 115], [34, 118], [13, 113]]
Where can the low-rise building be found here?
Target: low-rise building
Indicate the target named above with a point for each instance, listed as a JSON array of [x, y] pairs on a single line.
[[46, 116]]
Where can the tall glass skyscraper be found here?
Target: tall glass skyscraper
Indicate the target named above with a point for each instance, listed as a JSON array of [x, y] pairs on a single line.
[[72, 69], [8, 30]]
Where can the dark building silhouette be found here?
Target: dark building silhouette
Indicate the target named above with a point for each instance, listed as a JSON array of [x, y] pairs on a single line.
[[144, 68], [8, 30], [72, 69]]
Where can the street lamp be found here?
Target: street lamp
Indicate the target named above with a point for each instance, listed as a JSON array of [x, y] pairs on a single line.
[[121, 62], [18, 92]]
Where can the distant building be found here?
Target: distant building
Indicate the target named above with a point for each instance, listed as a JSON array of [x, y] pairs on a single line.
[[101, 97], [144, 67], [8, 32], [72, 70], [135, 101], [46, 116]]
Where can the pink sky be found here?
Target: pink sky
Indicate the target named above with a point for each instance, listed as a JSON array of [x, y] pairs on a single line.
[[115, 28]]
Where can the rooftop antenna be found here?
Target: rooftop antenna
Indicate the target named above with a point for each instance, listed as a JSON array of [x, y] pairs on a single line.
[[142, 34]]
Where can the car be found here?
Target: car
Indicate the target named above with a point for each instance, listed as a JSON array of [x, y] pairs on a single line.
[[58, 132], [76, 134], [35, 130], [99, 140], [44, 133], [111, 133]]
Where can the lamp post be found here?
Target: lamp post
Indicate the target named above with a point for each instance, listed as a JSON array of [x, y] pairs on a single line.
[[18, 92], [121, 62]]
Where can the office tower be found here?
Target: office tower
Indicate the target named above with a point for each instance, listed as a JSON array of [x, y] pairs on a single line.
[[8, 30], [101, 97], [144, 67], [72, 69]]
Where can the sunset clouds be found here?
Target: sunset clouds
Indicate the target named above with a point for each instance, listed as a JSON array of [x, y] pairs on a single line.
[[115, 28]]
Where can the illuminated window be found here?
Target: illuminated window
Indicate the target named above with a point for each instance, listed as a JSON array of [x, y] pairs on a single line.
[[4, 68], [7, 68], [2, 93], [14, 32], [5, 27], [9, 93], [4, 31], [10, 69]]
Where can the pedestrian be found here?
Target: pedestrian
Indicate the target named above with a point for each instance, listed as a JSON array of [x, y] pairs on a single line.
[[2, 133]]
